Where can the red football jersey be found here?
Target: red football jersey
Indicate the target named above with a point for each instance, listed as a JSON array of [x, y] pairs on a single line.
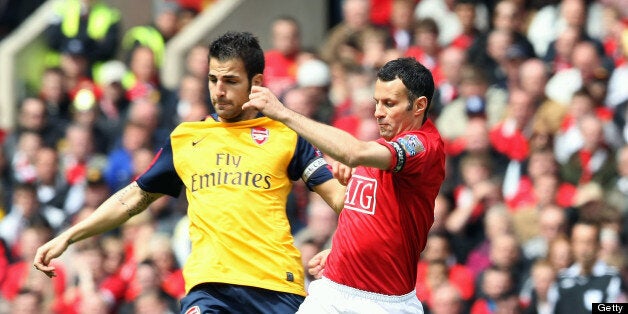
[[387, 215]]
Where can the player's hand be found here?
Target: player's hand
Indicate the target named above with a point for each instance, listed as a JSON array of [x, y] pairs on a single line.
[[52, 249], [316, 265], [341, 172], [262, 99]]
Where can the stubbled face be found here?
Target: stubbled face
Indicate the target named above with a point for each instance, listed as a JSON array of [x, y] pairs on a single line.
[[391, 109], [229, 88]]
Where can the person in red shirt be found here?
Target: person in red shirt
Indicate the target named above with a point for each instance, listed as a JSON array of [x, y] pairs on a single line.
[[465, 11], [281, 60], [438, 249], [389, 199], [90, 282], [20, 274], [426, 46]]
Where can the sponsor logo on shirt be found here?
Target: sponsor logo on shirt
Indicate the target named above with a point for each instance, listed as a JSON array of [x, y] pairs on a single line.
[[259, 135], [361, 194], [227, 172]]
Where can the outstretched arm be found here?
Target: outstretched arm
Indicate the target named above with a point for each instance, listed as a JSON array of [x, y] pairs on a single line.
[[116, 210], [334, 142]]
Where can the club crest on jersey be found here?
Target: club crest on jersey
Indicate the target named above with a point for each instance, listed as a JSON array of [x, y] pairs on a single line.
[[259, 135], [193, 310], [411, 144]]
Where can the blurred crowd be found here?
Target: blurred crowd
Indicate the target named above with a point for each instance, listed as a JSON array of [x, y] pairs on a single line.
[[530, 100]]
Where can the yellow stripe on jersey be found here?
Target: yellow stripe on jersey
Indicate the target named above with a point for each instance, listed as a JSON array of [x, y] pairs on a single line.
[[236, 180]]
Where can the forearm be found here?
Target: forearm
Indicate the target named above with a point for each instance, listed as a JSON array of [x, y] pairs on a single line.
[[333, 193], [334, 142], [116, 210]]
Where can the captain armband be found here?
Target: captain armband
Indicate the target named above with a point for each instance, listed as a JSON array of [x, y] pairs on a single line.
[[400, 156], [312, 167]]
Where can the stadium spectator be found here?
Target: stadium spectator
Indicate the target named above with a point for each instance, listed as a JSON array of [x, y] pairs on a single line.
[[472, 198], [595, 160], [147, 280], [498, 247], [447, 78], [552, 224], [52, 188], [542, 280], [54, 93], [426, 46], [597, 282], [91, 26], [401, 24], [494, 287], [342, 38], [32, 116], [164, 25], [617, 195], [283, 56], [443, 12], [477, 98], [24, 212], [446, 300], [20, 274], [438, 250], [553, 18]]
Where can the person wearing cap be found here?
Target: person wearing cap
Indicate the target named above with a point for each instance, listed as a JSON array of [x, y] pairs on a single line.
[[236, 168], [314, 76], [112, 102]]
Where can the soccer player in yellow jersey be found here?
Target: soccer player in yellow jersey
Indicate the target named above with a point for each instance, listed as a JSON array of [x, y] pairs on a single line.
[[236, 168]]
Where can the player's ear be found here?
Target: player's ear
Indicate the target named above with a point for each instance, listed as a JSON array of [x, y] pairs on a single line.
[[257, 80], [420, 105]]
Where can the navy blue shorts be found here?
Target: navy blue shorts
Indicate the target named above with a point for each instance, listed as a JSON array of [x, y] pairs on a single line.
[[226, 298]]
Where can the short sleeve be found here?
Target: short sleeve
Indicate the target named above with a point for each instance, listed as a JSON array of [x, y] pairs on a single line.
[[161, 176], [402, 149], [309, 165]]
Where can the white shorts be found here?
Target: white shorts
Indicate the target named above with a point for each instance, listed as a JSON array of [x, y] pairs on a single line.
[[326, 296]]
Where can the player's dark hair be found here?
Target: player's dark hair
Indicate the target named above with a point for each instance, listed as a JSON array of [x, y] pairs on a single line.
[[239, 45], [415, 77]]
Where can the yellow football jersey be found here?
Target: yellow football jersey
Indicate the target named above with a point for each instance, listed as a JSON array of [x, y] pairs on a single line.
[[237, 177]]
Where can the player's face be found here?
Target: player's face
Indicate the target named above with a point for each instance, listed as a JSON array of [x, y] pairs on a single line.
[[392, 108], [229, 88]]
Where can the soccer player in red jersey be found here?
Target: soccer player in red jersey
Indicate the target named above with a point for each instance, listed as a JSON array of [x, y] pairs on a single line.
[[389, 200]]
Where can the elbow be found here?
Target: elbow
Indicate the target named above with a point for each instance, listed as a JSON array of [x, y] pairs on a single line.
[[351, 161], [352, 156]]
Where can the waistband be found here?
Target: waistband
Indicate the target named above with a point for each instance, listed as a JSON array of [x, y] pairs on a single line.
[[367, 294]]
